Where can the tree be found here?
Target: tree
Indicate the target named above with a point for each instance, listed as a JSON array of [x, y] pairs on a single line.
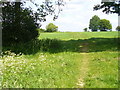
[[94, 23], [109, 7], [105, 25], [20, 23], [85, 29], [118, 28], [51, 28]]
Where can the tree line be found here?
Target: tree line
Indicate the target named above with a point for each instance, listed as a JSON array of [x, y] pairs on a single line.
[[97, 24]]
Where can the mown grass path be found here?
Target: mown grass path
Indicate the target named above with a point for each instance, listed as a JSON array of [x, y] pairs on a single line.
[[84, 65]]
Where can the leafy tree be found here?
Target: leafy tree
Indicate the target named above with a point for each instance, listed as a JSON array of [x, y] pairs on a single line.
[[85, 29], [105, 25], [94, 23], [118, 28], [51, 28], [20, 23], [109, 7]]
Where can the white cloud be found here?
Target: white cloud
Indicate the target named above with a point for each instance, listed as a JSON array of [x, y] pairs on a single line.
[[77, 13]]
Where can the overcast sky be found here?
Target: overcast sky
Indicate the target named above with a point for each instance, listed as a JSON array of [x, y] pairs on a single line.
[[76, 15]]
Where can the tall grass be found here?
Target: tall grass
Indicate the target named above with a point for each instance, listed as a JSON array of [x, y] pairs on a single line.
[[34, 46], [42, 70]]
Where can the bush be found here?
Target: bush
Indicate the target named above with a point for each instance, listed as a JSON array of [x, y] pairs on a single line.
[[85, 29]]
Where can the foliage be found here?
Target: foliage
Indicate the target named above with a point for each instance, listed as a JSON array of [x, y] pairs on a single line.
[[99, 24], [105, 25], [109, 7], [51, 28], [118, 28], [20, 23], [33, 46], [94, 23], [85, 29]]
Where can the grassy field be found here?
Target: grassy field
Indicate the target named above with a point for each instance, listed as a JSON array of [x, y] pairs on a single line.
[[63, 60]]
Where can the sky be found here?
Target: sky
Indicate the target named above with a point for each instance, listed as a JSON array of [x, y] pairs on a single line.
[[76, 15]]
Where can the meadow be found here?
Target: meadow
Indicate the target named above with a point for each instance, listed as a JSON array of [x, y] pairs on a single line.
[[62, 60]]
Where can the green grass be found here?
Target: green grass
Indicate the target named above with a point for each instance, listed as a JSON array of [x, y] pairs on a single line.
[[78, 35], [58, 60], [103, 70], [41, 70]]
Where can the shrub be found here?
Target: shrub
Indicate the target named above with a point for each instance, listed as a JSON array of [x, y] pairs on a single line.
[[85, 29]]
